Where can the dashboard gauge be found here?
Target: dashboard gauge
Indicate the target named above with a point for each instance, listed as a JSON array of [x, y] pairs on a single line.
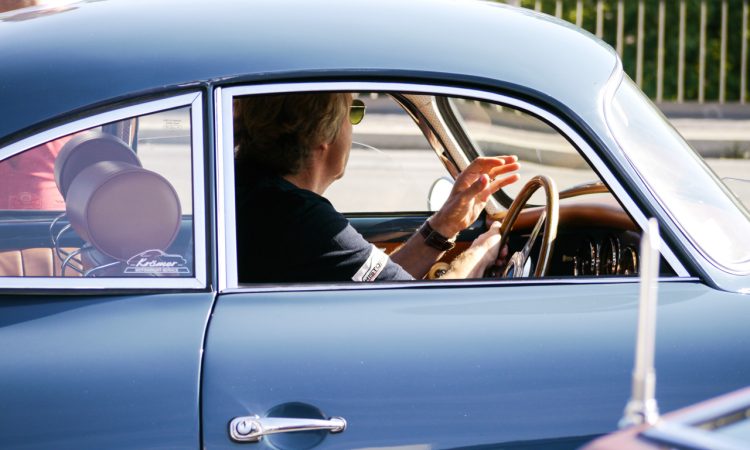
[[587, 259], [609, 255], [628, 261]]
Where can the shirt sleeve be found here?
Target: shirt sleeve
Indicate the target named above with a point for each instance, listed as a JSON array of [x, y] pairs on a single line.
[[378, 266]]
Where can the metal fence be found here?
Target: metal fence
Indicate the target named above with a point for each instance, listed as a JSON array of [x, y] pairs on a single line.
[[676, 50]]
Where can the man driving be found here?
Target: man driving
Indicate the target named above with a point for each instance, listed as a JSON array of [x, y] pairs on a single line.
[[289, 148]]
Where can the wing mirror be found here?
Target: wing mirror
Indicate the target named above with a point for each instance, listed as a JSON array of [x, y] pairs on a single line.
[[439, 193]]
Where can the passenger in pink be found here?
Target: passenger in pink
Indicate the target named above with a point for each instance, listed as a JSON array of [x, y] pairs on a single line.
[[27, 180]]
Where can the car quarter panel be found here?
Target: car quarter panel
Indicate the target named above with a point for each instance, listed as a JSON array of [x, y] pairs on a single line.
[[442, 368], [101, 371]]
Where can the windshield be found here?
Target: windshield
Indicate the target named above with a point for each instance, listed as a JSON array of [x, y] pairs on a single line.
[[710, 214]]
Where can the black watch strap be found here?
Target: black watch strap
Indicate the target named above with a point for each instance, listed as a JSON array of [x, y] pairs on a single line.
[[434, 239]]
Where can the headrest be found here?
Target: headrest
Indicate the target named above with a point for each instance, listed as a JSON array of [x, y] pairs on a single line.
[[123, 209], [86, 149]]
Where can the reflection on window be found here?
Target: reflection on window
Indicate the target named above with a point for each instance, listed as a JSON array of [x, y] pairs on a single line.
[[111, 201], [497, 130], [711, 215]]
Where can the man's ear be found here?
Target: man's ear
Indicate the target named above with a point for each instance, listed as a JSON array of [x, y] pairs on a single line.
[[321, 150]]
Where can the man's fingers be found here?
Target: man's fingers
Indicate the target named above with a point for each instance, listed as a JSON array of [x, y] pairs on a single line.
[[486, 163], [483, 187], [505, 168], [504, 181], [478, 186], [490, 241]]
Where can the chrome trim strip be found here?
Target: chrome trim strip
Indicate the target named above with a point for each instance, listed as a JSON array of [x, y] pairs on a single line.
[[199, 191], [227, 233], [431, 284], [194, 100], [230, 265]]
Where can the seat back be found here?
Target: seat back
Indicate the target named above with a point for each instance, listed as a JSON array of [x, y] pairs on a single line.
[[35, 262], [120, 209]]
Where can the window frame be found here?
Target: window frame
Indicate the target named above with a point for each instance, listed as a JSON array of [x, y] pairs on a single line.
[[226, 239], [194, 100]]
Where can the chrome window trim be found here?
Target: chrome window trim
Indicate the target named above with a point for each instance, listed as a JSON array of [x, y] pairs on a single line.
[[198, 281], [225, 213], [225, 165], [417, 284]]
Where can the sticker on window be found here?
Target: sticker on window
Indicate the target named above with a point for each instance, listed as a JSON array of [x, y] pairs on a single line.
[[156, 262]]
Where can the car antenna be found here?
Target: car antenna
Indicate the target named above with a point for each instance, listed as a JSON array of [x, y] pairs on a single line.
[[641, 407]]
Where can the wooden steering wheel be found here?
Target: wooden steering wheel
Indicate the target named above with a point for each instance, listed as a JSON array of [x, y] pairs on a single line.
[[549, 217]]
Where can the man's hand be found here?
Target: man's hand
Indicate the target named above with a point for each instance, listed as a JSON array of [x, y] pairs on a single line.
[[482, 178], [483, 253]]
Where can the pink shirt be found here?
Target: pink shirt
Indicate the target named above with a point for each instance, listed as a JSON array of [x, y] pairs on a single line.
[[27, 180]]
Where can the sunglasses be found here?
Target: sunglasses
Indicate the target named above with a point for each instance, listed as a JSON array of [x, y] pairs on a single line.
[[356, 111]]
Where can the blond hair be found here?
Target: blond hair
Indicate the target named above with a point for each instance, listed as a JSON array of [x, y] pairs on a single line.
[[278, 132]]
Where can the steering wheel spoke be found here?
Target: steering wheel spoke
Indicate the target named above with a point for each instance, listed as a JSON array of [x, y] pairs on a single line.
[[549, 217], [519, 260]]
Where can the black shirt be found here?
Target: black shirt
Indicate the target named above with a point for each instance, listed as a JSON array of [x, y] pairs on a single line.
[[288, 234]]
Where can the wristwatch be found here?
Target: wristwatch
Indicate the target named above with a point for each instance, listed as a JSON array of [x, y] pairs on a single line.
[[434, 239]]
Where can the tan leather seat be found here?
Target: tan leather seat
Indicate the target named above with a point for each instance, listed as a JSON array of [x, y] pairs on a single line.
[[33, 262]]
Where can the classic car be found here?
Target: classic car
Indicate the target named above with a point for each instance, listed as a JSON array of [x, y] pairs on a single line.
[[123, 318]]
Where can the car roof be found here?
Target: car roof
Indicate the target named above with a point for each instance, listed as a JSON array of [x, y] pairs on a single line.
[[83, 54]]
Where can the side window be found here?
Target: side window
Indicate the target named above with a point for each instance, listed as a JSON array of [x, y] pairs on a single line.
[[109, 201], [502, 130], [391, 165]]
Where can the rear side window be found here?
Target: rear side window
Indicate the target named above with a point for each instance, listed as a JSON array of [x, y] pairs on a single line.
[[113, 200]]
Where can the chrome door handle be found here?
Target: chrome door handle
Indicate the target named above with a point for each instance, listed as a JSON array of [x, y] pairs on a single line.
[[253, 428]]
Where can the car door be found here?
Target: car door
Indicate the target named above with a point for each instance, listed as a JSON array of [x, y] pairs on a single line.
[[104, 293], [529, 363]]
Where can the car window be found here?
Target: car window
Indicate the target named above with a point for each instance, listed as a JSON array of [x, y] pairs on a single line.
[[391, 165], [113, 200], [285, 232], [712, 215], [496, 130]]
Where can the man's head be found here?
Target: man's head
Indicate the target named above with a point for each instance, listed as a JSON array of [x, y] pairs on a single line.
[[279, 132]]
